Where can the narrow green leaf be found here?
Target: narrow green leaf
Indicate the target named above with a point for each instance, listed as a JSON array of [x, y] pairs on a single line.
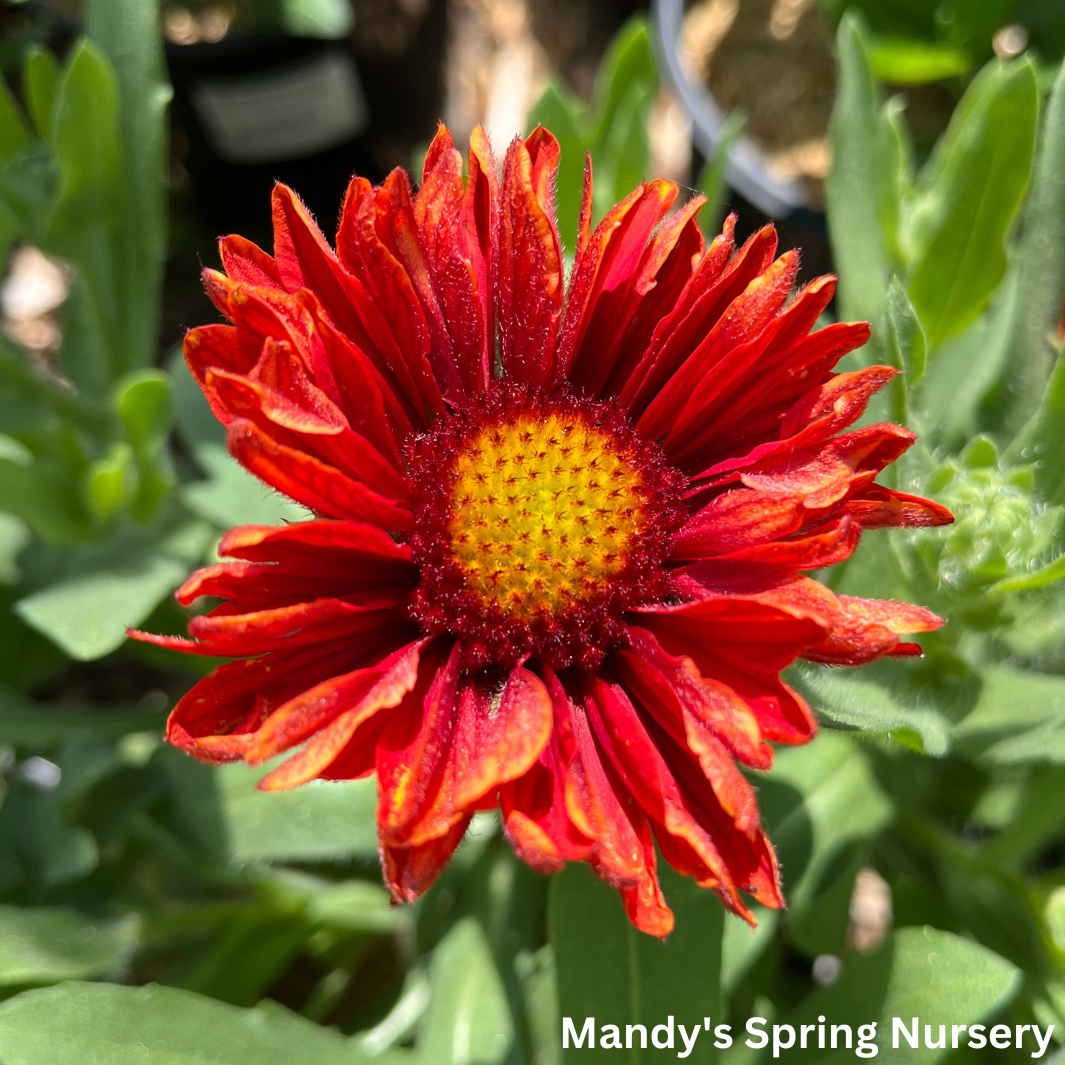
[[1042, 440], [14, 536], [76, 1023], [31, 726], [468, 1021], [629, 60], [89, 206], [39, 945], [40, 81], [969, 197], [914, 62], [848, 703], [325, 19], [1040, 578], [127, 31], [622, 157], [13, 133], [712, 180], [906, 347], [560, 112], [853, 187], [615, 974], [1042, 266]]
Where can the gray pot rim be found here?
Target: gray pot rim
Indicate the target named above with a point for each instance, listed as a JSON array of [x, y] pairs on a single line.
[[746, 170]]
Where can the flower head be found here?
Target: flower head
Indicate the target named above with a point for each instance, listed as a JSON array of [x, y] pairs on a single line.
[[561, 528]]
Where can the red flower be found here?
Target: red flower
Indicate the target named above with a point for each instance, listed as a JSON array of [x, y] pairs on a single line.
[[561, 527]]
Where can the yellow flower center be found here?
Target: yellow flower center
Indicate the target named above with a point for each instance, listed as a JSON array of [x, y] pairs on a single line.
[[543, 513]]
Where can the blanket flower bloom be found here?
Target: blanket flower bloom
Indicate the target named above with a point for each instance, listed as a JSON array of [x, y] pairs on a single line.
[[556, 563]]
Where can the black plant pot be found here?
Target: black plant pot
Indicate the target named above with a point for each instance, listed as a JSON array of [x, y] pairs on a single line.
[[258, 108]]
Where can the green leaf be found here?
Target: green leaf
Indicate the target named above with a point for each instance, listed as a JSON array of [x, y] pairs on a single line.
[[935, 976], [232, 496], [320, 821], [47, 497], [622, 159], [845, 702], [629, 61], [1040, 578], [906, 347], [39, 945], [816, 801], [83, 227], [742, 945], [40, 81], [75, 1023], [1042, 266], [327, 19], [610, 971], [127, 31], [560, 112], [31, 726], [853, 188], [1042, 440], [144, 401], [712, 180], [1016, 709], [112, 480], [969, 196], [468, 1022], [968, 367], [914, 62], [14, 536], [110, 587], [13, 133]]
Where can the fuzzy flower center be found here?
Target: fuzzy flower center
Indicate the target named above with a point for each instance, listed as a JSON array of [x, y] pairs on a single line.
[[543, 513], [540, 518]]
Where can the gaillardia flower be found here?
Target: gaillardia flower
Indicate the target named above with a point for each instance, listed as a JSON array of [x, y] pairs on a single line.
[[556, 564]]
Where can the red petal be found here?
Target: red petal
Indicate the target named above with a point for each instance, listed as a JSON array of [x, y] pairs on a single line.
[[746, 317], [603, 294], [346, 703], [311, 482], [530, 275]]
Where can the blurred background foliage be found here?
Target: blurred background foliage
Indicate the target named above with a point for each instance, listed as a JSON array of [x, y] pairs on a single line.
[[155, 909]]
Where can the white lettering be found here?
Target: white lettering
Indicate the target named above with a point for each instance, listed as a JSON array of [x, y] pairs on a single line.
[[1043, 1042], [898, 1028], [668, 1029], [977, 1039], [629, 1029], [942, 1037], [778, 1045], [867, 1047], [688, 1043], [587, 1032], [611, 1032], [954, 1030], [723, 1032], [752, 1027], [1001, 1036]]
